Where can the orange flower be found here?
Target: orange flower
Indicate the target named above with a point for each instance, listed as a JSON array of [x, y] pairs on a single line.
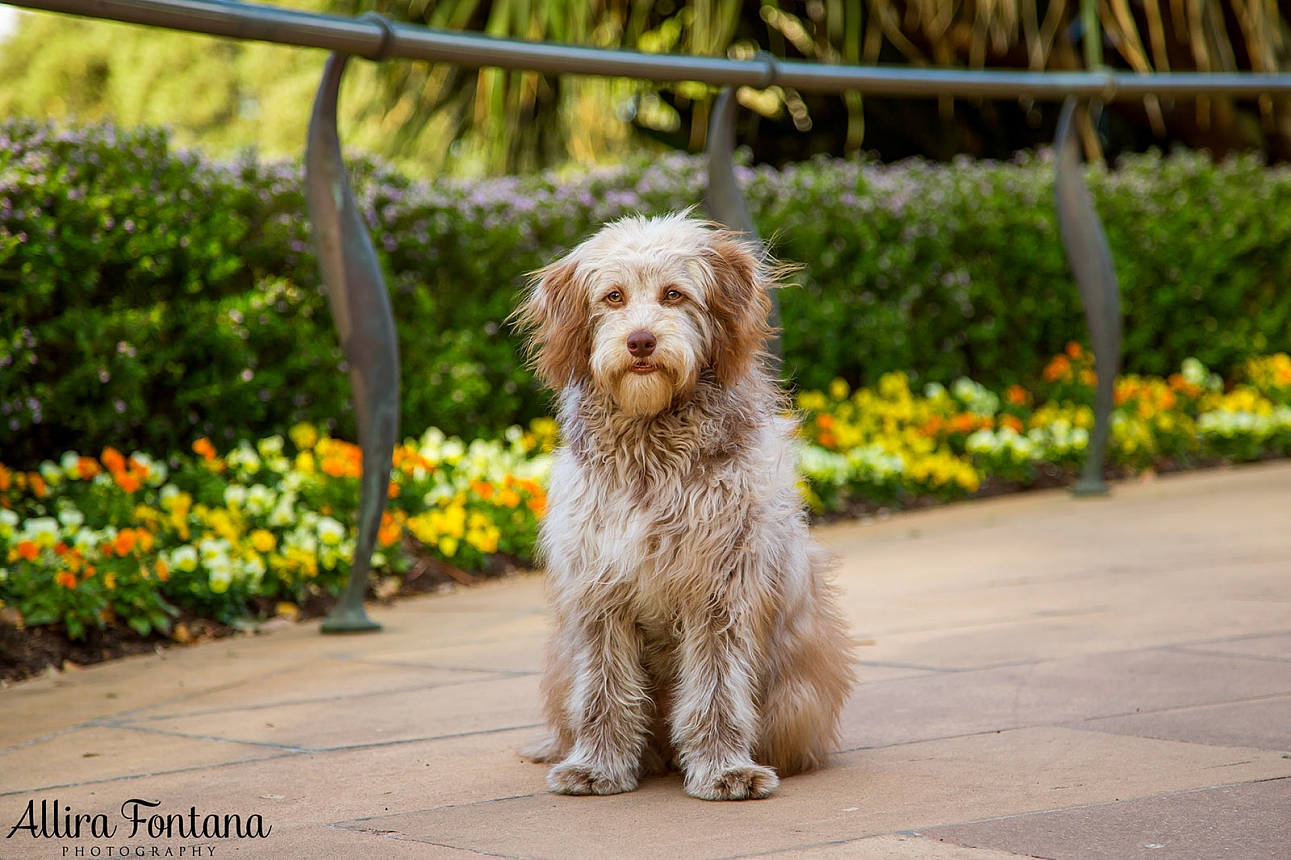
[[113, 460], [1012, 422], [827, 440], [1074, 350], [65, 578], [825, 422], [1058, 368], [37, 484], [932, 426], [28, 550], [963, 423], [1018, 396], [389, 532], [87, 467], [124, 542], [538, 505], [127, 481], [483, 489], [5, 480], [163, 572], [204, 449], [509, 497], [393, 490]]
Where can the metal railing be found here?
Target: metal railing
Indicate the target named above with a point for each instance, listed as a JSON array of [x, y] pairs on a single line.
[[356, 290]]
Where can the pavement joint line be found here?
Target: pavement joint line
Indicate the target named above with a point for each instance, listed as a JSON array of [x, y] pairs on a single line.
[[427, 739], [130, 777], [1096, 805], [408, 664], [955, 670], [1264, 697], [45, 737], [1071, 725], [885, 664], [290, 703], [1185, 649], [344, 824], [219, 688], [810, 845], [145, 730], [283, 752], [304, 750]]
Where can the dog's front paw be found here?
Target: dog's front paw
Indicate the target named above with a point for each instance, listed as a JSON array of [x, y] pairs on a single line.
[[749, 782], [572, 778]]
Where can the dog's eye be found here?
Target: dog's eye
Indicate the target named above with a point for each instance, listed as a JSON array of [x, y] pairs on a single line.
[[614, 297], [672, 296]]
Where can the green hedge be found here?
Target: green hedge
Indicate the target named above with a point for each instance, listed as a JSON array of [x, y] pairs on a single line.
[[150, 297]]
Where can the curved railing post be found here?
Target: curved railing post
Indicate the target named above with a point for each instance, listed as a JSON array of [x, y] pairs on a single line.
[[361, 310], [723, 200], [1091, 263]]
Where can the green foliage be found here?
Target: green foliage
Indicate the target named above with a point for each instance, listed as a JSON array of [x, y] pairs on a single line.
[[152, 298]]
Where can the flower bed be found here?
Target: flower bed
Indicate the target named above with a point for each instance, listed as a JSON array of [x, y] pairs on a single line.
[[92, 541], [209, 319]]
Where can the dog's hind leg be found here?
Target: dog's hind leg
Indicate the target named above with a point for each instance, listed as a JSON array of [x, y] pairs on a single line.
[[805, 682]]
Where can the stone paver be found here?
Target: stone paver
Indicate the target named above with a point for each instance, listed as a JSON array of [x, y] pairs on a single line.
[[1040, 677]]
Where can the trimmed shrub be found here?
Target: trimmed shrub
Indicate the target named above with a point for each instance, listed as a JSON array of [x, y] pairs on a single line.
[[150, 298]]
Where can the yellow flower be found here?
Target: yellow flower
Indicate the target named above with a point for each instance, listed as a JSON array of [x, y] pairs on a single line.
[[304, 435], [448, 546], [263, 540], [839, 389], [305, 463]]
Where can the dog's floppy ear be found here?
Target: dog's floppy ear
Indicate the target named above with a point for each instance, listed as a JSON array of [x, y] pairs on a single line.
[[555, 315], [739, 303]]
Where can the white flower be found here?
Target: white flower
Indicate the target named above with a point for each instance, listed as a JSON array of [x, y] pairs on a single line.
[[270, 446], [219, 575], [259, 499], [330, 532], [167, 496], [184, 558], [71, 465], [8, 519], [981, 442], [85, 540], [235, 495], [42, 530], [71, 518], [1194, 372], [51, 473], [284, 512]]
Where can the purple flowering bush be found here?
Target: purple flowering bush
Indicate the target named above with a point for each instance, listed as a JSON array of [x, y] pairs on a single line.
[[151, 297]]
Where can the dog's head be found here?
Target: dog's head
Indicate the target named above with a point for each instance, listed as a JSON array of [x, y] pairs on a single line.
[[644, 306]]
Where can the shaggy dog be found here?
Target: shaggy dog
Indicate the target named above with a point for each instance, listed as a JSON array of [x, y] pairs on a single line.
[[693, 623]]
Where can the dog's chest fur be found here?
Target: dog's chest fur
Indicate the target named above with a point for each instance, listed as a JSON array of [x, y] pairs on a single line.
[[652, 509]]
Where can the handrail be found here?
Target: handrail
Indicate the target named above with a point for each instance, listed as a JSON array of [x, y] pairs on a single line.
[[372, 38]]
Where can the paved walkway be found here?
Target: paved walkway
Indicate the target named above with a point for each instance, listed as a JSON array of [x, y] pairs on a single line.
[[1042, 677]]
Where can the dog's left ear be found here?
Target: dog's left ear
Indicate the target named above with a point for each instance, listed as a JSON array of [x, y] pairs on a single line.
[[739, 303], [555, 315]]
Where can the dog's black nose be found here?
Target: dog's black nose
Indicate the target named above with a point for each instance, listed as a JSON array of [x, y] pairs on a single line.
[[641, 343]]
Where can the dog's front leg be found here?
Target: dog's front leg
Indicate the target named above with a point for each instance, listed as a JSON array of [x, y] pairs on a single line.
[[608, 707], [715, 717]]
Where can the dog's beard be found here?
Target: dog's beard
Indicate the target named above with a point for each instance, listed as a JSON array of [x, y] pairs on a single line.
[[639, 394]]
